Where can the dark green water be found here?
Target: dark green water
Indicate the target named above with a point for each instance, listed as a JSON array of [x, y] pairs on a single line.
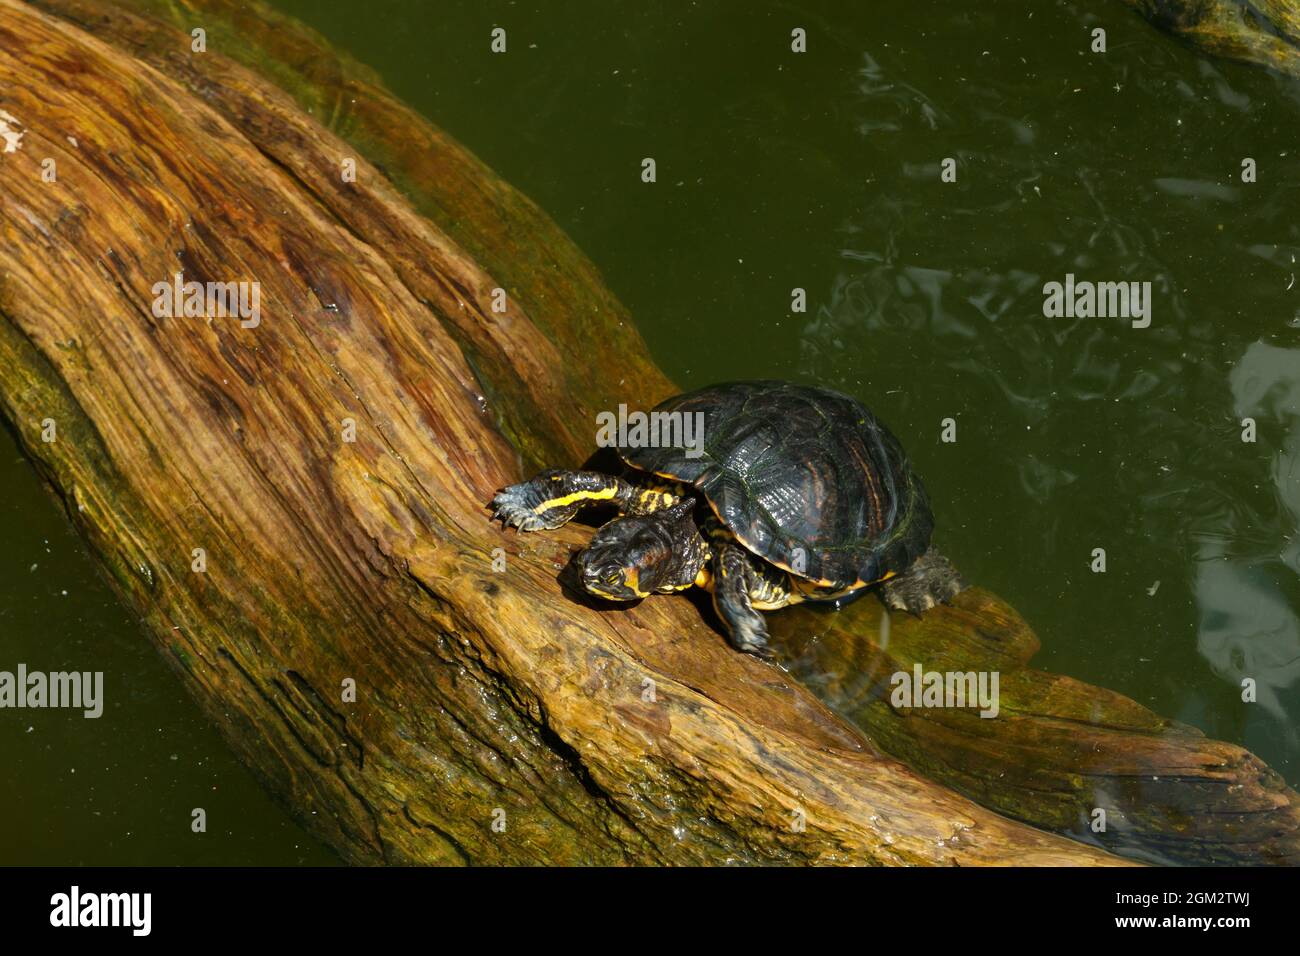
[[821, 171], [120, 788]]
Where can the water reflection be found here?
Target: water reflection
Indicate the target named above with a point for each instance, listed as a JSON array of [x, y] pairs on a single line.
[[1248, 560], [1083, 433]]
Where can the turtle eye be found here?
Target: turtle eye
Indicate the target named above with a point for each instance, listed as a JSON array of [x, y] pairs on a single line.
[[611, 577]]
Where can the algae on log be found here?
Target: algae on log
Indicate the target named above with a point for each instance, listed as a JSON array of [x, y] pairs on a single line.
[[1263, 32], [329, 560]]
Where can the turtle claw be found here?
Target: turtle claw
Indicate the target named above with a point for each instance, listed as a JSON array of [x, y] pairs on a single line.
[[508, 507], [752, 640], [916, 606], [761, 651], [522, 521], [892, 601]]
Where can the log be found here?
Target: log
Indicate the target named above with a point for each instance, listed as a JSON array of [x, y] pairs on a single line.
[[1261, 32], [482, 696]]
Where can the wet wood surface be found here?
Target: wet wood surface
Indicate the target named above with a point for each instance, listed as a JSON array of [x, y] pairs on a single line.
[[1261, 32]]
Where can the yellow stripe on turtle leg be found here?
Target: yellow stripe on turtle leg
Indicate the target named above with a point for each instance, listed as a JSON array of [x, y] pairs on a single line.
[[604, 494]]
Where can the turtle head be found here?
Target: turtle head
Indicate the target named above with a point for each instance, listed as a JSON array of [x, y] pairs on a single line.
[[633, 556]]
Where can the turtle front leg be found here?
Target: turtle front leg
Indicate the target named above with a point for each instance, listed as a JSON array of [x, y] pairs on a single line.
[[550, 500], [732, 583]]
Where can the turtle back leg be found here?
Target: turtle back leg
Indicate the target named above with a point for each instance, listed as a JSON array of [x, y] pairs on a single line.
[[550, 500], [929, 581]]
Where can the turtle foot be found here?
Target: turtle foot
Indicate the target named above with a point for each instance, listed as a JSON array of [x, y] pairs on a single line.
[[929, 581], [523, 506], [750, 637]]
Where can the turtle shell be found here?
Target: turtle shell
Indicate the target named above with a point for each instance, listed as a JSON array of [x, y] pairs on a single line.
[[806, 478]]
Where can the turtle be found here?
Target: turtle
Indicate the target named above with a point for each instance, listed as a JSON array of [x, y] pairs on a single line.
[[789, 493]]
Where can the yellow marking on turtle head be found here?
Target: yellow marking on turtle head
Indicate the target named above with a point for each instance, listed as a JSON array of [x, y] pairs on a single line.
[[632, 579]]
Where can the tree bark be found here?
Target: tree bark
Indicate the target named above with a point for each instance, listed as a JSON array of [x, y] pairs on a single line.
[[593, 735]]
